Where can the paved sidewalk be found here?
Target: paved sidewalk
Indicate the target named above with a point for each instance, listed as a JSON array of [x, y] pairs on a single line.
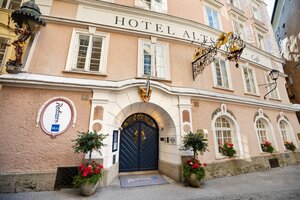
[[278, 183]]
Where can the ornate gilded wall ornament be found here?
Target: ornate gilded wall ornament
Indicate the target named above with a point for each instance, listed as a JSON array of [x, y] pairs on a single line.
[[205, 54], [143, 94]]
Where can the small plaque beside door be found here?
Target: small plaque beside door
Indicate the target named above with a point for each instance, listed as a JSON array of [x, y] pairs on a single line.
[[115, 141]]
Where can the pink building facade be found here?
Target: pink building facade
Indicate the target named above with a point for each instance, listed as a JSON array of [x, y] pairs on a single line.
[[94, 56]]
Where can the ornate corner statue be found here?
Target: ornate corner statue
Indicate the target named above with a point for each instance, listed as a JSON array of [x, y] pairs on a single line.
[[28, 21], [234, 47]]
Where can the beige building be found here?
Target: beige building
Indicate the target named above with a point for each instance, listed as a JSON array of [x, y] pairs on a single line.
[[84, 70]]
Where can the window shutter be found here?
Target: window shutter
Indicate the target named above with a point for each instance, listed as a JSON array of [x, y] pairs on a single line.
[[75, 51], [164, 6], [268, 44], [249, 34], [139, 3], [160, 61]]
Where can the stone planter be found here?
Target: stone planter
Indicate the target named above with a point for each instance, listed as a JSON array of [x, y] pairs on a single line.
[[193, 181], [88, 189]]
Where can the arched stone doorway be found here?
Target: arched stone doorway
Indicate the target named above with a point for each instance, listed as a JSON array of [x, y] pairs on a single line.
[[138, 144]]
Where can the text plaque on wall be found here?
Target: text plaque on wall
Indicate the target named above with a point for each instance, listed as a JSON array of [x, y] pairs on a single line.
[[115, 141]]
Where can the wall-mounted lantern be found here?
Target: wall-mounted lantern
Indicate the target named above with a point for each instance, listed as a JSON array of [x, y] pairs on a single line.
[[28, 22], [274, 74]]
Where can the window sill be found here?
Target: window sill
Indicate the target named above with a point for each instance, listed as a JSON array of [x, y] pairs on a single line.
[[155, 79], [223, 88], [251, 94], [221, 157], [279, 100], [85, 72]]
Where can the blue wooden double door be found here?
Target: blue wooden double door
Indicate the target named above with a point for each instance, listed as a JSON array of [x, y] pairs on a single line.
[[138, 144]]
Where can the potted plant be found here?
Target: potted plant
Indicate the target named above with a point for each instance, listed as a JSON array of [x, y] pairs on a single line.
[[228, 149], [193, 171], [290, 146], [266, 146], [89, 173]]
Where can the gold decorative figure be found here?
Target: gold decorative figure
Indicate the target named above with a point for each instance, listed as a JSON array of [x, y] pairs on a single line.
[[143, 94]]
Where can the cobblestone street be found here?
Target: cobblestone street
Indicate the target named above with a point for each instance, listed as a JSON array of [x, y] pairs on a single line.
[[278, 183]]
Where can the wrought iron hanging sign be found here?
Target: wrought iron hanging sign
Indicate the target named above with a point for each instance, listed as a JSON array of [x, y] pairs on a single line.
[[234, 47]]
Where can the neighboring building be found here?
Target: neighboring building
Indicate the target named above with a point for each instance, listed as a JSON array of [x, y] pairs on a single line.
[[285, 20], [84, 71]]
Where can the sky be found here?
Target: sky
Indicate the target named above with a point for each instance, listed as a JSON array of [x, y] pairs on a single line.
[[270, 6]]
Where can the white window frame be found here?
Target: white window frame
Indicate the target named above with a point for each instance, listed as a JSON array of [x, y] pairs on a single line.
[[255, 85], [235, 134], [270, 131], [274, 92], [8, 4], [153, 42], [214, 8], [240, 22], [256, 6], [72, 58], [214, 75], [222, 130], [290, 132], [162, 9]]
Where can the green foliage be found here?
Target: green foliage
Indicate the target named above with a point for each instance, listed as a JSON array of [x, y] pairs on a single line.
[[88, 173], [88, 141], [194, 166], [195, 142], [228, 150], [267, 147], [290, 146], [79, 180]]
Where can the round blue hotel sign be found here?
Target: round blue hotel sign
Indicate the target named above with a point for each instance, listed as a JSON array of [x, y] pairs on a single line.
[[56, 117]]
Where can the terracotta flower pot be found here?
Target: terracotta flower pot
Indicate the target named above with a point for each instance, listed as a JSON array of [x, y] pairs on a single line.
[[88, 189], [193, 181]]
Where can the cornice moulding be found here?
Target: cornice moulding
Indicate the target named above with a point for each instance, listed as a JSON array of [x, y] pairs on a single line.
[[33, 80]]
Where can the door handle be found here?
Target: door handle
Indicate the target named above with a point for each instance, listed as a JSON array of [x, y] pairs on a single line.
[[143, 137]]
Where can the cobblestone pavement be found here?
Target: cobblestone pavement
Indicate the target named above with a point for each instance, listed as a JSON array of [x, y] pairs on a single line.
[[282, 195], [275, 184]]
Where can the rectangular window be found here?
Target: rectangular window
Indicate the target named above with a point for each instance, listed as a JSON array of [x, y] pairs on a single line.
[[212, 18], [153, 60], [261, 43], [3, 48], [256, 13], [154, 5], [249, 78], [221, 74], [88, 52], [274, 93], [239, 27], [10, 4]]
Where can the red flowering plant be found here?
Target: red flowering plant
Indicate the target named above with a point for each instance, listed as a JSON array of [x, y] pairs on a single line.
[[90, 172], [194, 166], [290, 146], [227, 149], [266, 146], [196, 142]]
